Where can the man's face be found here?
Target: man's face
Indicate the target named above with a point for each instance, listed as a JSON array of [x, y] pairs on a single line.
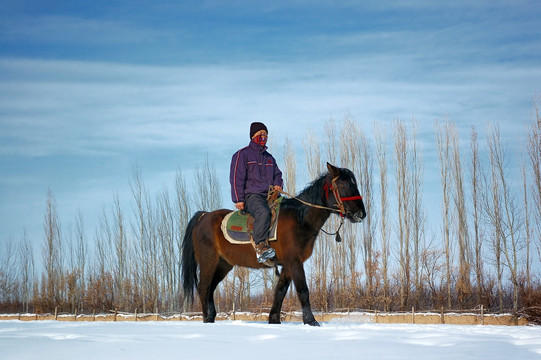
[[260, 137]]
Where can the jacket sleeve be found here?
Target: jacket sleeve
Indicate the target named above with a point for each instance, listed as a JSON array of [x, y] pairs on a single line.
[[237, 177], [278, 180]]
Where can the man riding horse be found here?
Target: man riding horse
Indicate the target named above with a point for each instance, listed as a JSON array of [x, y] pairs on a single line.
[[207, 256], [253, 171]]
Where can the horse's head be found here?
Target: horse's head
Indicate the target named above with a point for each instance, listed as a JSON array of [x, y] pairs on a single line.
[[342, 186]]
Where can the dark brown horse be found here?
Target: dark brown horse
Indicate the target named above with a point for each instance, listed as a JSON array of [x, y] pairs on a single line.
[[299, 223]]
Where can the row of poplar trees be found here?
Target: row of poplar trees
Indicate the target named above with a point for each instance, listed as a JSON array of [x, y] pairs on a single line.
[[474, 243]]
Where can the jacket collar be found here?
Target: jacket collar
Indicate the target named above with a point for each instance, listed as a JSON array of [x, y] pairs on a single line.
[[257, 147]]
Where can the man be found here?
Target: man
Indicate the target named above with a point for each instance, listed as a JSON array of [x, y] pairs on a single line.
[[253, 171]]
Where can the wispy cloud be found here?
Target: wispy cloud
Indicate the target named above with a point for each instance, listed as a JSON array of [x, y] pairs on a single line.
[[87, 91], [74, 30], [64, 106]]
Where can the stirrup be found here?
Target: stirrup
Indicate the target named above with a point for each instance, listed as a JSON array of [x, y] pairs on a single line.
[[266, 255]]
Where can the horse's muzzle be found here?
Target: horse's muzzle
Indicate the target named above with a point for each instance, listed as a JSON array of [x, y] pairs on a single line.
[[358, 217]]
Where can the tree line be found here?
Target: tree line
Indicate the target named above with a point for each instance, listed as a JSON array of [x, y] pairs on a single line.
[[482, 247]]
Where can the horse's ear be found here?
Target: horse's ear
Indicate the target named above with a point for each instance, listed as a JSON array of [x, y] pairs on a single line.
[[333, 170]]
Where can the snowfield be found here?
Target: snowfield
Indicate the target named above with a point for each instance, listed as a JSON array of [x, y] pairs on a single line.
[[237, 340]]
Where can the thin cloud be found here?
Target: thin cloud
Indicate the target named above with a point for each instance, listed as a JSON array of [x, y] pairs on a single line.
[[128, 106], [49, 29], [87, 92]]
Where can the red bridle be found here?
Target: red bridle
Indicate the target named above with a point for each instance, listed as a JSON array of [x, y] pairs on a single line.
[[337, 196]]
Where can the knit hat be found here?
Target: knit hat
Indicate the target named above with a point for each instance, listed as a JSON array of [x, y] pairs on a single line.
[[255, 127]]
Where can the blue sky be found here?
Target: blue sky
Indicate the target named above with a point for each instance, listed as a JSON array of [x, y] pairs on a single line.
[[90, 89]]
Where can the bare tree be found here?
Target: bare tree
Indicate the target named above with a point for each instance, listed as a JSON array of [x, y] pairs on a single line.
[[338, 251], [475, 179], [290, 167], [350, 157], [444, 144], [527, 226], [534, 153], [410, 214], [464, 251], [416, 210], [208, 196], [169, 252], [183, 213], [103, 245], [52, 251], [356, 154], [319, 259], [403, 189], [120, 266], [381, 153], [331, 141], [153, 253], [8, 270], [81, 255], [75, 272], [509, 240], [142, 234], [492, 207], [26, 270], [313, 154]]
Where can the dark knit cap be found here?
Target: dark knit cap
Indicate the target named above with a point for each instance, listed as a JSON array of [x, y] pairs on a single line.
[[255, 127]]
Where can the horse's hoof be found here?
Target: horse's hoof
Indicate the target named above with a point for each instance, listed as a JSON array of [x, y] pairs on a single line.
[[313, 323], [274, 320]]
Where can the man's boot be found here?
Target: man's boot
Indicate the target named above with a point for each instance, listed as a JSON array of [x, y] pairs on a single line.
[[264, 252]]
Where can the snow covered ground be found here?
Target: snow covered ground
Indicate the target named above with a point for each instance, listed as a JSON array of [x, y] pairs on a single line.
[[237, 340]]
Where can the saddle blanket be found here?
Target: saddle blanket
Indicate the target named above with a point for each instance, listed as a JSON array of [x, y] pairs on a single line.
[[238, 226]]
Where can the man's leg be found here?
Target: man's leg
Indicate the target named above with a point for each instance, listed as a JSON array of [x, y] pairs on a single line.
[[256, 205]]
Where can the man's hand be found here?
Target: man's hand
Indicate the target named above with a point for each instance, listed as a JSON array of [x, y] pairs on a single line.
[[277, 188], [239, 205]]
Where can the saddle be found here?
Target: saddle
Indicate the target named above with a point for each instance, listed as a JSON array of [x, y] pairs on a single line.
[[238, 226]]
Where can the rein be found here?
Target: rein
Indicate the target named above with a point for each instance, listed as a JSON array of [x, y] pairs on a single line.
[[339, 206], [307, 203]]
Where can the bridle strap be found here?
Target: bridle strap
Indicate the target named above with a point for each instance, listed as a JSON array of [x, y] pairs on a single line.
[[340, 200], [352, 198], [340, 206]]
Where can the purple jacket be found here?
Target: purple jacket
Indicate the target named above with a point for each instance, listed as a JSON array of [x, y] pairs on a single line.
[[253, 171]]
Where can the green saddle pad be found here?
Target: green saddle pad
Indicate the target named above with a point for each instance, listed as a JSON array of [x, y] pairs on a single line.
[[237, 226], [240, 222]]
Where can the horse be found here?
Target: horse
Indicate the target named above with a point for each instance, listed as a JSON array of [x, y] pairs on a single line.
[[299, 222]]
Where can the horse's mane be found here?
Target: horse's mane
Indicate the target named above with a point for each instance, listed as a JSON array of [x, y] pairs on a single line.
[[311, 194]]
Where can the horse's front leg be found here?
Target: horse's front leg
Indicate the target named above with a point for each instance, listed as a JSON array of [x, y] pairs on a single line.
[[279, 294], [299, 278]]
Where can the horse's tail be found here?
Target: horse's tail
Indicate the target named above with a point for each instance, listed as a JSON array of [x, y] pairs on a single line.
[[189, 264]]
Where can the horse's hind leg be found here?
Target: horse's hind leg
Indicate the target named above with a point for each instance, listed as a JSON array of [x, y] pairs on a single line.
[[206, 274], [222, 269], [279, 294]]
